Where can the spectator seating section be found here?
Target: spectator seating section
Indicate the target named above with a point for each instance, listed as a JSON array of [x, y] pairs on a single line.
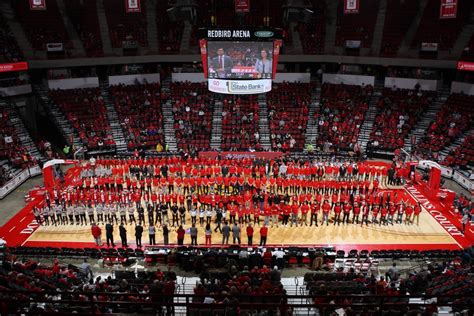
[[312, 34], [126, 26], [83, 14], [169, 33], [288, 108], [42, 26], [356, 26], [9, 49], [240, 116], [139, 111], [468, 53], [463, 155], [432, 29], [193, 111], [342, 113], [85, 110], [12, 152], [454, 118], [398, 19], [398, 111]]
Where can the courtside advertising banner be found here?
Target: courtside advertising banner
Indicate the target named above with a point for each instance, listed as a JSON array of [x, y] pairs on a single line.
[[38, 4], [242, 5], [351, 6], [132, 6], [14, 66], [240, 86], [448, 9]]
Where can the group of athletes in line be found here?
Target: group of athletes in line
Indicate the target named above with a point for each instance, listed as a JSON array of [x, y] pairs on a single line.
[[275, 192]]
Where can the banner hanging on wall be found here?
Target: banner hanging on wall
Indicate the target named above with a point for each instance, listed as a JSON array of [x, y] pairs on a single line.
[[38, 4], [351, 6], [448, 9], [132, 6]]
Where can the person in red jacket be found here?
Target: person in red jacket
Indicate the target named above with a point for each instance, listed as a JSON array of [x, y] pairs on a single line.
[[97, 234], [250, 234], [416, 214], [263, 235], [180, 234], [337, 214], [326, 209]]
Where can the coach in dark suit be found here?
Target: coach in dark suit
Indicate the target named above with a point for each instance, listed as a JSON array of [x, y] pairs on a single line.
[[222, 64], [138, 234], [109, 233]]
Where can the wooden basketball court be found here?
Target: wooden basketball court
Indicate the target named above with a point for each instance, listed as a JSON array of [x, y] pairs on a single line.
[[429, 232]]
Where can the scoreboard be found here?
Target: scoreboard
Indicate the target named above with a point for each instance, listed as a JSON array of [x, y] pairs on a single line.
[[240, 61]]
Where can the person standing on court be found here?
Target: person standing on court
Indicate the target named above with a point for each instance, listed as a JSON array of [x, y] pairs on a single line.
[[250, 234], [180, 235], [123, 235], [194, 234], [151, 234], [208, 233], [225, 233], [165, 234], [263, 235], [109, 234], [97, 234], [138, 234], [236, 233]]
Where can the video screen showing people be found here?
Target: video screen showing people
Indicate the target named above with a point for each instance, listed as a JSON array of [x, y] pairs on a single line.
[[240, 60]]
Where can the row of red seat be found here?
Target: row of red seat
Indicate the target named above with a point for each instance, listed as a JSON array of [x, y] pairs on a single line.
[[342, 114], [139, 111], [454, 118], [42, 26], [398, 112], [240, 117], [86, 112], [288, 109], [9, 49], [193, 111], [83, 14]]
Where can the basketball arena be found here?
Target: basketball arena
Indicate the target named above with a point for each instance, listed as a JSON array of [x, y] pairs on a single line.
[[236, 157]]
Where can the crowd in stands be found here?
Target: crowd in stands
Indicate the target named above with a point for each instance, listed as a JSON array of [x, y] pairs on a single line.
[[463, 155], [193, 113], [86, 112], [83, 14], [313, 33], [125, 26], [9, 50], [398, 18], [42, 26], [432, 29], [240, 123], [288, 109], [454, 118], [66, 282], [358, 27], [139, 110], [450, 277], [398, 112], [341, 115], [11, 148]]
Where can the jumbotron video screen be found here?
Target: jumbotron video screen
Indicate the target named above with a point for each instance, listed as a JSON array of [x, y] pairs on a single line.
[[240, 60]]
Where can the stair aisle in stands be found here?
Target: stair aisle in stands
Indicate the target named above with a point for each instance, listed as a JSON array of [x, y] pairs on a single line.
[[216, 135], [117, 132], [264, 128], [168, 120], [419, 131], [58, 117], [312, 127]]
